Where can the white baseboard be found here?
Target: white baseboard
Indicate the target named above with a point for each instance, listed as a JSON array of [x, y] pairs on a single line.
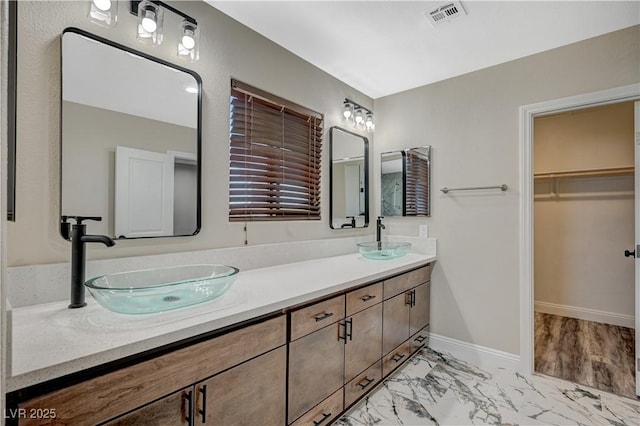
[[480, 356], [586, 314]]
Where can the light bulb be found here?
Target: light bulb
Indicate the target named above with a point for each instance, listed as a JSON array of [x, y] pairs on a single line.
[[359, 116], [187, 40], [149, 23], [103, 5]]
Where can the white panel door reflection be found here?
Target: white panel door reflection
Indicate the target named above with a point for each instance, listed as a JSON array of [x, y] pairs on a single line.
[[143, 193]]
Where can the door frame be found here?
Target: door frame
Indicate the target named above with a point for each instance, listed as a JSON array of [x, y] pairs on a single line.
[[527, 115]]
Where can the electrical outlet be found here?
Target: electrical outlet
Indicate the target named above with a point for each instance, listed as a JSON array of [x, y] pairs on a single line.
[[424, 231]]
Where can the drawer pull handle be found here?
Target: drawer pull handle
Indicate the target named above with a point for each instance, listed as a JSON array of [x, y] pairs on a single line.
[[188, 396], [420, 339], [348, 329], [323, 315], [325, 416], [368, 297], [397, 357], [203, 410], [365, 382]]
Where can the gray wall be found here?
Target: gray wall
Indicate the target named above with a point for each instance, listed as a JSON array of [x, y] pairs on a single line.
[[472, 124], [229, 49]]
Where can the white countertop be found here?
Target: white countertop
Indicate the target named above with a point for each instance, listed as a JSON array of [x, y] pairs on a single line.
[[50, 340]]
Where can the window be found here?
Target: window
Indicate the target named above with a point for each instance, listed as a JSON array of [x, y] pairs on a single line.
[[275, 153]]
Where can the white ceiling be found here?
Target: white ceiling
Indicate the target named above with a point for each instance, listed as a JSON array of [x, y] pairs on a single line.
[[384, 47]]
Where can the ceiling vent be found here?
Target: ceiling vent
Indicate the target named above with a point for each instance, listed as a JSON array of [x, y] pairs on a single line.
[[445, 13]]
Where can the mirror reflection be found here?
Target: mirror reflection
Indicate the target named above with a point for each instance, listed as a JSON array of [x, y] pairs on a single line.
[[130, 140], [349, 179], [406, 182]]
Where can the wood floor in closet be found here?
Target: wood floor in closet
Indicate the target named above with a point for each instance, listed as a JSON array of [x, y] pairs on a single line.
[[586, 352]]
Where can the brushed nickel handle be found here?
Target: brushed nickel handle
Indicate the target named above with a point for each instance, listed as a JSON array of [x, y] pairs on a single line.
[[325, 416], [365, 382], [323, 315]]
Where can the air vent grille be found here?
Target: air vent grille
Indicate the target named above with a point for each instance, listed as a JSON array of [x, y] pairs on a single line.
[[445, 12]]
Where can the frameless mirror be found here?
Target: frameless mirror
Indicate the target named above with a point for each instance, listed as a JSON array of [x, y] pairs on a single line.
[[406, 182], [130, 140], [349, 179]]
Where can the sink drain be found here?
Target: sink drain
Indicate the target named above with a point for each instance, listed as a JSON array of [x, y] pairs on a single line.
[[171, 299]]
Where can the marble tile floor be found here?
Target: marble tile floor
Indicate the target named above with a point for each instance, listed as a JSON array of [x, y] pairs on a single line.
[[435, 388], [586, 352]]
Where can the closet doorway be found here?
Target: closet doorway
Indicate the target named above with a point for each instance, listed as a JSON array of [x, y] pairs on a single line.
[[584, 220]]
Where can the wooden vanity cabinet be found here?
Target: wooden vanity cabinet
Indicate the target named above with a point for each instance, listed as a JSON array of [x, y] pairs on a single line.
[[164, 379], [337, 350]]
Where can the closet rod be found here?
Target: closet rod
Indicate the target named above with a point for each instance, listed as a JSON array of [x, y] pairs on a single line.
[[587, 172], [473, 188]]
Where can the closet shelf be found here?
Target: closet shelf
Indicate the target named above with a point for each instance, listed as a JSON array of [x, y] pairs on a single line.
[[612, 171]]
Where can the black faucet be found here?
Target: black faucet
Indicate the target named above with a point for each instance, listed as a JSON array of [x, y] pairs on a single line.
[[379, 228], [349, 225], [76, 233]]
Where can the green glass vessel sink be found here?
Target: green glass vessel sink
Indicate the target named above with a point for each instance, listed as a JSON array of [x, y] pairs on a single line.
[[384, 250], [162, 289]]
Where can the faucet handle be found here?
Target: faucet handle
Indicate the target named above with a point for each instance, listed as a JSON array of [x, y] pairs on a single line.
[[79, 219], [380, 217], [65, 226]]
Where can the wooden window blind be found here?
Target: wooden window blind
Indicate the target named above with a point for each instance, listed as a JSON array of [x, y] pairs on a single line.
[[416, 184], [275, 154]]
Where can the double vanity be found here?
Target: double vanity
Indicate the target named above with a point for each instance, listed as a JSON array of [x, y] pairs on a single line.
[[290, 344]]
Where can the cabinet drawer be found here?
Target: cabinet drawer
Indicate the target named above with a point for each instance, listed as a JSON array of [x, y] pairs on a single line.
[[396, 358], [362, 383], [105, 397], [358, 300], [316, 316], [323, 413], [420, 339], [404, 282]]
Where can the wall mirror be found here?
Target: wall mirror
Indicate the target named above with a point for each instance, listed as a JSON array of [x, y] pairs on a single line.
[[406, 182], [349, 179], [130, 140]]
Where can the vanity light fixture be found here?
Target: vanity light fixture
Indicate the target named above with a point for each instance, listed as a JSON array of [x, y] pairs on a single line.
[[150, 15], [103, 12], [359, 116]]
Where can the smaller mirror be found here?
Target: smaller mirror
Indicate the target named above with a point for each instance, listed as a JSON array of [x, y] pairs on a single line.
[[349, 179], [406, 182]]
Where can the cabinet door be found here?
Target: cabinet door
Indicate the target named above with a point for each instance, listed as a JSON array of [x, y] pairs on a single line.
[[172, 410], [419, 314], [364, 344], [249, 394], [316, 364], [395, 329]]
